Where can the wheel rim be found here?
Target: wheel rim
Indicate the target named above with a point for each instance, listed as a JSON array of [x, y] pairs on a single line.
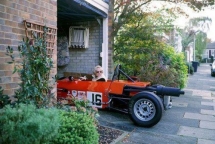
[[144, 109]]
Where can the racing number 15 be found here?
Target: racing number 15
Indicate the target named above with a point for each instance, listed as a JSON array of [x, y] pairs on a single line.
[[96, 99]]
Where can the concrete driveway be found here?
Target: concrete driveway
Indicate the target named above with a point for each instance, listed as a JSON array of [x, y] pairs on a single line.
[[191, 120]]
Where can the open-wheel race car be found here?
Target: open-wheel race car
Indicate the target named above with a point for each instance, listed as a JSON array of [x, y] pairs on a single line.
[[143, 102]]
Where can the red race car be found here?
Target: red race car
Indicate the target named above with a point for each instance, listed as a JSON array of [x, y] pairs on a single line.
[[142, 101]]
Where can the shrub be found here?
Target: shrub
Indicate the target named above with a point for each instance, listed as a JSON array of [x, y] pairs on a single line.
[[77, 128], [190, 68], [155, 62], [34, 71], [4, 99], [25, 124]]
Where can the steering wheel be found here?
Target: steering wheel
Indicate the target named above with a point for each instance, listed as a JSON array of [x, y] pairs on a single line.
[[116, 73]]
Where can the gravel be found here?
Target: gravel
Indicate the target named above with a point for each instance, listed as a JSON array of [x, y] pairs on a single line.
[[107, 134]]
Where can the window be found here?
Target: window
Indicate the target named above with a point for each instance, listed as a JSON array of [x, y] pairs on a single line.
[[78, 37]]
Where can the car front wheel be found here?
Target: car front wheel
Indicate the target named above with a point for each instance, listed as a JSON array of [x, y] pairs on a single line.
[[145, 109]]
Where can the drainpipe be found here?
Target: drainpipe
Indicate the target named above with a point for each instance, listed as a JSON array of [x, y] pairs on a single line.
[[100, 46]]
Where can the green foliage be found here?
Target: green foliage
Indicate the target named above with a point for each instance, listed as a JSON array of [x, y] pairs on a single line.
[[4, 99], [138, 47], [200, 45], [34, 71], [124, 9], [153, 61], [25, 124], [190, 68], [77, 128]]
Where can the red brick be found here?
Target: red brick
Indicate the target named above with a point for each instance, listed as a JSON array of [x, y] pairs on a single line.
[[33, 1], [5, 41], [5, 2], [8, 73], [18, 30], [4, 15], [2, 73], [10, 23], [16, 79], [1, 34], [17, 19], [22, 8], [3, 86], [2, 53], [2, 8], [2, 47], [6, 67], [11, 85], [2, 60], [10, 36], [9, 92], [24, 2], [5, 28], [5, 79], [11, 11], [24, 15], [11, 74]]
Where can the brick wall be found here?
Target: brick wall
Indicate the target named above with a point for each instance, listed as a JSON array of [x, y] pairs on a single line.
[[84, 60], [12, 14]]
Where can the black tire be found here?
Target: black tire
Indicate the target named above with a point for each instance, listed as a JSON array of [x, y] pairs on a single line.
[[152, 109]]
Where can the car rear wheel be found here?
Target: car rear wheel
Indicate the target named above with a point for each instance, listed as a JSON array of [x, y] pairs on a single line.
[[145, 109]]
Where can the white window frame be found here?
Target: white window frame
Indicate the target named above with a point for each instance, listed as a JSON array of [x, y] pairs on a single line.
[[78, 37]]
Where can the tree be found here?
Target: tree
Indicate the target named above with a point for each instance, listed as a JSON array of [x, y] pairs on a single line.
[[123, 9], [200, 44], [197, 27], [141, 52]]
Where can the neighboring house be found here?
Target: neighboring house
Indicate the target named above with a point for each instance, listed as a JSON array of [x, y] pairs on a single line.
[[172, 38], [71, 18], [189, 53], [210, 51]]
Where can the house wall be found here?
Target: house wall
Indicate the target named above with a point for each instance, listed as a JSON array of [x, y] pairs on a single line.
[[12, 14], [83, 60], [209, 51]]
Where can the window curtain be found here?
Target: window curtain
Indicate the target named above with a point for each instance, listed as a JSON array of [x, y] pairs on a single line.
[[78, 37]]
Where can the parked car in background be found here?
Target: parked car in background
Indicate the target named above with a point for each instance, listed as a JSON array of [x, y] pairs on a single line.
[[212, 69]]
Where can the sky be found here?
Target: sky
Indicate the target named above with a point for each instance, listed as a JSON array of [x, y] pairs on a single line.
[[208, 12], [211, 14], [182, 21]]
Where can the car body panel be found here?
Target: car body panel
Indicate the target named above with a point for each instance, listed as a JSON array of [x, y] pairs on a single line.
[[94, 91]]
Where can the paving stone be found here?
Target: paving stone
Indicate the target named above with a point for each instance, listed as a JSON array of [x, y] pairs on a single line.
[[208, 103], [209, 98], [204, 141], [202, 93], [156, 138], [199, 116], [208, 112], [207, 124], [178, 104], [197, 132]]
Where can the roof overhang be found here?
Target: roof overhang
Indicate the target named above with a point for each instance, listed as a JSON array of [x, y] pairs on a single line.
[[81, 10]]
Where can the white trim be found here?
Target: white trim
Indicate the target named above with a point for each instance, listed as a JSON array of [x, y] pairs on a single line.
[[99, 4], [105, 47]]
